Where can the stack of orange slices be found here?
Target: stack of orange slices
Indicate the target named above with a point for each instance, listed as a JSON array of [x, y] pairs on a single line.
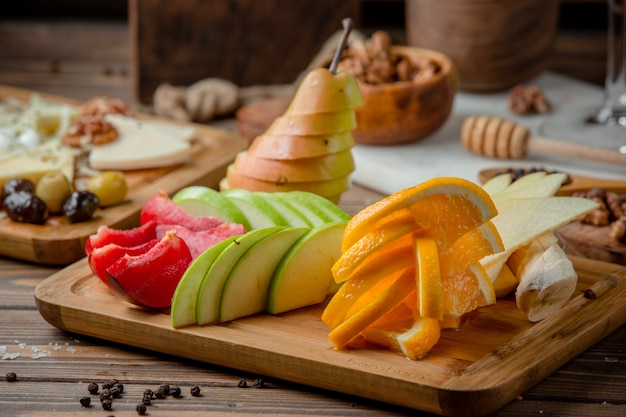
[[410, 267]]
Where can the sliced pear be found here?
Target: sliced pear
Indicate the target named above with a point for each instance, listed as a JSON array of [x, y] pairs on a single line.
[[183, 310], [328, 189], [518, 221], [320, 168], [210, 292], [291, 147], [497, 183], [321, 91], [245, 289], [545, 186], [313, 123], [303, 277]]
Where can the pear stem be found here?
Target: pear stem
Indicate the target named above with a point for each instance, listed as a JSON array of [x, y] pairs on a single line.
[[347, 27]]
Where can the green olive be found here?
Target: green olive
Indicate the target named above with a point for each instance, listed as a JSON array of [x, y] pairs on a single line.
[[53, 189], [110, 187]]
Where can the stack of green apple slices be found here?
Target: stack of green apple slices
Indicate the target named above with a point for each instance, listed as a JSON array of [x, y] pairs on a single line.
[[282, 263]]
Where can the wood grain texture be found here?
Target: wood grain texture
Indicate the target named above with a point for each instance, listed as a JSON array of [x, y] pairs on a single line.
[[60, 243], [245, 41], [495, 356]]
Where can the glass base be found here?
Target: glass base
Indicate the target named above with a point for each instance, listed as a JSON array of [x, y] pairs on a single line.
[[582, 126]]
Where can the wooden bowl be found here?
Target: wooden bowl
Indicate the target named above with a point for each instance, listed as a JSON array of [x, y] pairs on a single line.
[[391, 113], [494, 44], [404, 112]]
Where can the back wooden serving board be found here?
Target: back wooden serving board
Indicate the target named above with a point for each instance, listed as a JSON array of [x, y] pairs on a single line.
[[60, 243], [495, 356]]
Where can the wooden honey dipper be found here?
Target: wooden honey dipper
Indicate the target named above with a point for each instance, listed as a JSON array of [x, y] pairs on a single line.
[[500, 138]]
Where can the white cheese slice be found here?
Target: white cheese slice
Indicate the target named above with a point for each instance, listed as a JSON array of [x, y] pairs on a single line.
[[140, 145]]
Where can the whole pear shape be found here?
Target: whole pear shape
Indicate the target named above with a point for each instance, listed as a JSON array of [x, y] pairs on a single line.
[[322, 92]]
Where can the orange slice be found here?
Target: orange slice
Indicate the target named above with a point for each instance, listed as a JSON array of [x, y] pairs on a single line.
[[428, 278], [384, 302], [465, 283], [472, 246], [413, 343], [465, 291], [360, 290], [397, 225], [472, 203]]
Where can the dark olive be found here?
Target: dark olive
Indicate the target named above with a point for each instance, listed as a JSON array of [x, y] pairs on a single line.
[[17, 184], [80, 206], [25, 207]]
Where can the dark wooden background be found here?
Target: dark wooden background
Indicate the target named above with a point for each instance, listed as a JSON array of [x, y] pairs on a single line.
[[246, 41]]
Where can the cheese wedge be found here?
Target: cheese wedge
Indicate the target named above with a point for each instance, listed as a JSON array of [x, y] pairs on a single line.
[[141, 145], [37, 162], [24, 167]]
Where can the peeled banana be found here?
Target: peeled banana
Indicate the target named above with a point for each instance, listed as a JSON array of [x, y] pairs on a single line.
[[547, 278], [539, 271]]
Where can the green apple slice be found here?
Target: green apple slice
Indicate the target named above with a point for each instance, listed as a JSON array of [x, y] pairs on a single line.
[[204, 201], [183, 310], [210, 291], [257, 218], [253, 198], [303, 277], [293, 217], [245, 289], [320, 205], [314, 216]]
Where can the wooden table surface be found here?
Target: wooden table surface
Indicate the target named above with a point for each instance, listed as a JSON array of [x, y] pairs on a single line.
[[54, 367]]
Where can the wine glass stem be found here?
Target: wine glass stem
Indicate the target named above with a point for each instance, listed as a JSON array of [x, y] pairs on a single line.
[[614, 109]]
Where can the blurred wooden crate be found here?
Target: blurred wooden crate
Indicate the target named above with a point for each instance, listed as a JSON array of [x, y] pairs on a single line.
[[245, 41]]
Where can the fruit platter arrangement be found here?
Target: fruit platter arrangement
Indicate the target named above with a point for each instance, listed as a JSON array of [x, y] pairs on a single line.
[[447, 296], [67, 168]]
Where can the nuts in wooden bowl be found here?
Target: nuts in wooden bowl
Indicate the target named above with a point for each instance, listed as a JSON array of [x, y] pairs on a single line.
[[407, 92]]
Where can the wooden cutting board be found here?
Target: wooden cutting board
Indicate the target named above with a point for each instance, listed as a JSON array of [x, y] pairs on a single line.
[[60, 243], [495, 356]]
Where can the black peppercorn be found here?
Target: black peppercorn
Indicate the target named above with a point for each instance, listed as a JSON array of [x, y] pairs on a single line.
[[110, 384], [148, 393], [161, 393], [147, 400], [11, 377], [107, 404], [242, 384], [92, 388], [115, 391], [195, 391], [175, 391], [85, 401], [165, 388], [105, 394], [259, 383], [141, 409]]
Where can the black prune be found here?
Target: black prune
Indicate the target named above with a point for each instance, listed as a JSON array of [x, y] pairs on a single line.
[[80, 206], [18, 184], [25, 207]]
